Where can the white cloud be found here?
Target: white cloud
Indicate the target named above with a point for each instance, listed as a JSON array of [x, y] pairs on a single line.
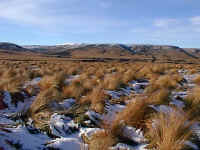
[[46, 15], [195, 20], [165, 22], [173, 29]]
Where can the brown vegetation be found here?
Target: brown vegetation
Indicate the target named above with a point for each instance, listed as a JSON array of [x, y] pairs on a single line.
[[169, 131]]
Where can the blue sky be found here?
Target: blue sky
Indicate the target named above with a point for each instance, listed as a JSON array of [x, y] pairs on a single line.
[[172, 22]]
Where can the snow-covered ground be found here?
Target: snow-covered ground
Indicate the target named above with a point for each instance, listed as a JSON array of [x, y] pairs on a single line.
[[65, 133]]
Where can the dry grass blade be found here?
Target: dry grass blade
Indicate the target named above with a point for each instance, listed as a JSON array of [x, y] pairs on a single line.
[[169, 131]]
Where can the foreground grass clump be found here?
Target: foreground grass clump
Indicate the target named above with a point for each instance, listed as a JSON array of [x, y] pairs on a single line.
[[134, 114], [11, 81], [74, 89], [164, 82], [197, 80], [101, 140], [169, 131], [193, 98], [160, 96], [129, 76], [192, 102], [96, 98], [54, 81], [43, 99]]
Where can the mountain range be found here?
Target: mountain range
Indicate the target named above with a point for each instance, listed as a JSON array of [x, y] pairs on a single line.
[[114, 51]]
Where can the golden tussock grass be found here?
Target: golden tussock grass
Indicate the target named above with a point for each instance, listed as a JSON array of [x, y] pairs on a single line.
[[55, 81], [159, 68], [44, 98], [128, 76], [134, 114], [9, 73], [169, 131], [160, 96], [192, 102], [100, 74], [193, 98], [192, 71], [101, 140], [197, 80], [166, 81], [96, 98], [11, 81], [74, 89], [12, 85], [144, 71], [112, 81], [89, 84]]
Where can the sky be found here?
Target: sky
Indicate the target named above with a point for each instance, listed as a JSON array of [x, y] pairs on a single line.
[[49, 22]]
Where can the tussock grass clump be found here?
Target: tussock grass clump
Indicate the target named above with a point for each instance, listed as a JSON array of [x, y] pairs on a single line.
[[96, 98], [100, 73], [10, 73], [56, 81], [72, 71], [101, 140], [128, 76], [112, 81], [159, 68], [160, 96], [43, 99], [134, 114], [144, 71], [41, 109], [192, 102], [11, 81], [89, 84], [169, 131], [166, 81], [193, 98], [74, 90], [192, 71], [12, 85], [197, 80]]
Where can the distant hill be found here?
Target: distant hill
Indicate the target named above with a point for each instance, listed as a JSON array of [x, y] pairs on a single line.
[[113, 51], [4, 46], [166, 52]]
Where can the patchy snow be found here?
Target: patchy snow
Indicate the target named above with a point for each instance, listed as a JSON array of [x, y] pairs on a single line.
[[68, 134], [67, 103], [33, 82], [88, 132], [71, 78], [61, 125], [114, 94], [179, 94], [21, 106], [4, 120], [134, 87], [7, 100], [133, 134], [162, 108], [138, 87], [177, 103], [191, 145], [21, 136], [72, 142], [95, 117], [121, 146]]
